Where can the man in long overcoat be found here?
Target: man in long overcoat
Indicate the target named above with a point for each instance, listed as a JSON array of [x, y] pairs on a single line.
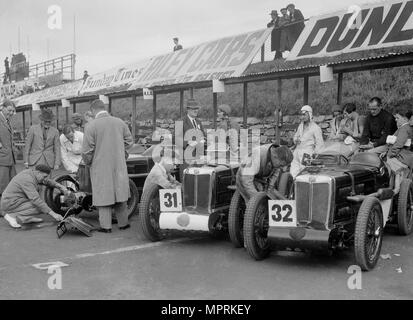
[[7, 156], [105, 146]]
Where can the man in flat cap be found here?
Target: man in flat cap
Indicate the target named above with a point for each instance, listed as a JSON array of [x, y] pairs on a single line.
[[105, 146], [177, 46], [7, 156], [43, 143], [78, 122], [21, 200]]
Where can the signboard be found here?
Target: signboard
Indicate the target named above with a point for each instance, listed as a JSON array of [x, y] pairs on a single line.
[[115, 77], [65, 103], [219, 59], [218, 86], [282, 213], [64, 91], [147, 94], [371, 26], [326, 74], [170, 200]]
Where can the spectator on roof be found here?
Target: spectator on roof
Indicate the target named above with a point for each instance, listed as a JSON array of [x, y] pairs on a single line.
[[276, 34], [85, 75], [296, 21], [177, 46]]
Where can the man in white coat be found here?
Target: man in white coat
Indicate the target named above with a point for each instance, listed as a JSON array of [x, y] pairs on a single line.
[[105, 143], [308, 140], [71, 143]]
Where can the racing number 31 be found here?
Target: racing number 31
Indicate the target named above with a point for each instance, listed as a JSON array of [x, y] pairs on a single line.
[[282, 213], [170, 200]]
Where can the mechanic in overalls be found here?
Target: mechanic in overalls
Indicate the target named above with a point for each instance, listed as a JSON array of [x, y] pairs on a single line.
[[308, 140], [257, 176]]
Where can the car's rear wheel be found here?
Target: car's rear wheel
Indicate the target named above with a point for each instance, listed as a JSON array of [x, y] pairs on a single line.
[[368, 234], [149, 213], [256, 227], [133, 202], [236, 220], [52, 195], [404, 208]]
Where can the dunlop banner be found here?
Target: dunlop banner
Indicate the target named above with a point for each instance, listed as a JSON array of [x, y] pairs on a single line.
[[366, 27]]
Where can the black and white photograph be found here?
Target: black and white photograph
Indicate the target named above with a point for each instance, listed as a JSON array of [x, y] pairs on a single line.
[[207, 156]]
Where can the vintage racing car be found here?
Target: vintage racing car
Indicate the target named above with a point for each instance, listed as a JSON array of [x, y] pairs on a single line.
[[201, 204], [333, 205]]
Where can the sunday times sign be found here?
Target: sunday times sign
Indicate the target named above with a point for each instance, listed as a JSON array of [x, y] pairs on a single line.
[[372, 26]]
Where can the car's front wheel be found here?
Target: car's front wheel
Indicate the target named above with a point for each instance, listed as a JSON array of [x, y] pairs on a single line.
[[256, 225], [149, 213], [368, 234], [133, 202], [236, 220], [404, 208]]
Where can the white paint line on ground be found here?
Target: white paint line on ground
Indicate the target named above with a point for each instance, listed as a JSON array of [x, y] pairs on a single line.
[[124, 249]]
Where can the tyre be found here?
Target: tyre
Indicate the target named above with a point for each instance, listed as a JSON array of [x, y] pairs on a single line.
[[285, 184], [256, 226], [236, 220], [368, 234], [133, 201], [404, 208], [52, 195], [149, 213]]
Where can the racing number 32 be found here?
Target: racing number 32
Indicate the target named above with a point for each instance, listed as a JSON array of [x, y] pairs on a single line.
[[282, 213], [170, 200]]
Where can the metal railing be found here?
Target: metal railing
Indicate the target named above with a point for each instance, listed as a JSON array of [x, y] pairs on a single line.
[[64, 65]]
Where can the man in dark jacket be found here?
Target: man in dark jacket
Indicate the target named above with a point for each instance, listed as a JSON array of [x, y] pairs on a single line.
[[378, 126], [296, 21], [262, 170], [7, 156], [21, 200]]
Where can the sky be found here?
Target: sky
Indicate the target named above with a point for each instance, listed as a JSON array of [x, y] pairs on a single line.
[[111, 33]]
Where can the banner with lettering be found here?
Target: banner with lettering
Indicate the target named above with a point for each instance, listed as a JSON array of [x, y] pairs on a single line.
[[366, 27], [114, 78], [219, 59]]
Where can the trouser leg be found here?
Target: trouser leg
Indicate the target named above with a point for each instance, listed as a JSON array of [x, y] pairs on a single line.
[[24, 212], [105, 217], [121, 212]]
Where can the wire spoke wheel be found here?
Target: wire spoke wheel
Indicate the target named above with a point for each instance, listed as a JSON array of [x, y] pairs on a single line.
[[236, 220], [404, 208], [149, 214], [368, 235], [256, 225]]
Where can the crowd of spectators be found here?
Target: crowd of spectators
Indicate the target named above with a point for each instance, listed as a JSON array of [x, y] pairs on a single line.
[[286, 29]]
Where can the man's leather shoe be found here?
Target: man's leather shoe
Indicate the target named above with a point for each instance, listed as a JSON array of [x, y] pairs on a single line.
[[104, 230], [125, 227]]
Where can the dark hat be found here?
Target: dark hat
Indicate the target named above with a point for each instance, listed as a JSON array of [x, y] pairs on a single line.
[[43, 168], [336, 108], [273, 12], [76, 116], [192, 104], [175, 39], [46, 115], [283, 9], [7, 103], [97, 104], [291, 5]]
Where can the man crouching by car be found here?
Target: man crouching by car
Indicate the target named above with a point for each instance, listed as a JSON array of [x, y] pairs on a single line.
[[258, 176]]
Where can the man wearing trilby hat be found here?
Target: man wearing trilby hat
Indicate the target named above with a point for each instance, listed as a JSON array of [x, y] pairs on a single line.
[[43, 143]]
